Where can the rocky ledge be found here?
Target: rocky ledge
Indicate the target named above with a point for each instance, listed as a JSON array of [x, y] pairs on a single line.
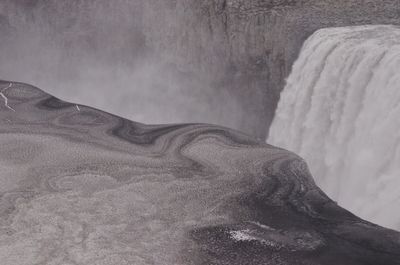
[[81, 186]]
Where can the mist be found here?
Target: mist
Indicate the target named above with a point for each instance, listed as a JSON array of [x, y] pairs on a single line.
[[108, 55]]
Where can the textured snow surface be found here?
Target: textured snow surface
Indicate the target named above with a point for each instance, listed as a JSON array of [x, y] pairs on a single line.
[[340, 111], [81, 186]]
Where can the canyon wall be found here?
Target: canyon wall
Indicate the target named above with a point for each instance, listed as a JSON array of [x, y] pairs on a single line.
[[251, 45], [142, 58]]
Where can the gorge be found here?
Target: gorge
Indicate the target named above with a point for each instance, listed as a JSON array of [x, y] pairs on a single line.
[[274, 138], [190, 53]]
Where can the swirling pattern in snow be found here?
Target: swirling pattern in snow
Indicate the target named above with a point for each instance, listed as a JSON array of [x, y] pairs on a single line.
[[79, 186]]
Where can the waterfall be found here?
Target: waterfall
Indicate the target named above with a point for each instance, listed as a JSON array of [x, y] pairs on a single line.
[[340, 111]]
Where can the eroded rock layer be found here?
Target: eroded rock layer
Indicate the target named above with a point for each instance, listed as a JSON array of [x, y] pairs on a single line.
[[81, 186]]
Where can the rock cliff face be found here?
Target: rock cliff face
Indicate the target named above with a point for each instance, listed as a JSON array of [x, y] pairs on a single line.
[[256, 42], [239, 51]]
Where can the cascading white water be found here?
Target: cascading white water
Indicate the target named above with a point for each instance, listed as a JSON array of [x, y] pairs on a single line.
[[340, 111]]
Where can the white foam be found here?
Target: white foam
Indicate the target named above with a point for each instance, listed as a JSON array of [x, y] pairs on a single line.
[[340, 111]]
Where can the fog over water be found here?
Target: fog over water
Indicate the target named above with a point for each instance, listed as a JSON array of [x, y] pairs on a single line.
[[340, 110], [101, 53]]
